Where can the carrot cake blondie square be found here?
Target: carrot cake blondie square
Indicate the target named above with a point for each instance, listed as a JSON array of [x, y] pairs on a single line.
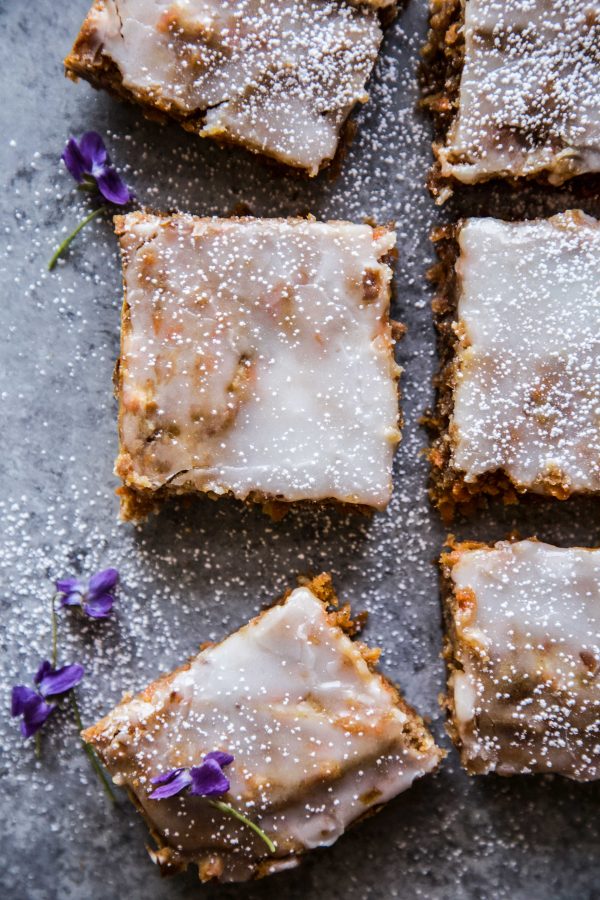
[[279, 77], [515, 89], [523, 655], [518, 312], [256, 360], [286, 722]]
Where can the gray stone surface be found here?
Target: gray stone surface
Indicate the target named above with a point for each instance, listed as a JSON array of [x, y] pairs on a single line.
[[198, 571]]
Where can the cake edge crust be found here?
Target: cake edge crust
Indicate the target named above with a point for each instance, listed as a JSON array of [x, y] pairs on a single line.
[[448, 490], [450, 602]]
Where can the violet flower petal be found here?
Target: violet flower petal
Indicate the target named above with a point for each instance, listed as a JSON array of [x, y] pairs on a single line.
[[45, 668], [69, 586], [223, 759], [112, 187], [93, 151], [208, 779], [21, 694], [61, 680], [74, 599], [102, 582], [171, 783], [99, 607], [35, 713], [166, 777], [73, 160]]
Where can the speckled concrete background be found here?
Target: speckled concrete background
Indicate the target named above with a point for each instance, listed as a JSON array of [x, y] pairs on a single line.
[[197, 572]]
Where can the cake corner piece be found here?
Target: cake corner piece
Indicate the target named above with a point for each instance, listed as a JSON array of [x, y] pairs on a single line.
[[256, 361], [522, 648], [337, 741], [240, 73], [486, 65]]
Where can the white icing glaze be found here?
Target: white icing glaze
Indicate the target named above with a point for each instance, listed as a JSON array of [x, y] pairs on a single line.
[[526, 692], [258, 358], [529, 93], [318, 739], [527, 394], [279, 76]]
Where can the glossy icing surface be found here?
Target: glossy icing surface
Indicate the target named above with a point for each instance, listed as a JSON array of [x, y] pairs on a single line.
[[530, 91], [318, 740], [257, 357], [527, 393], [525, 689], [279, 76]]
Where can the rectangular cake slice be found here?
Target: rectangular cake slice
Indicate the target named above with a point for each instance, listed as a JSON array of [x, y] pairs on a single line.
[[515, 88], [256, 360], [278, 77], [523, 654], [318, 738], [519, 388]]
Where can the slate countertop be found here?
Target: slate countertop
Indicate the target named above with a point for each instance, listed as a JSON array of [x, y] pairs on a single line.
[[196, 573]]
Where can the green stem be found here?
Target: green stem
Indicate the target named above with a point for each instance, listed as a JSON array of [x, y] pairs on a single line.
[[88, 184], [90, 752], [38, 745], [54, 632], [231, 811], [60, 250]]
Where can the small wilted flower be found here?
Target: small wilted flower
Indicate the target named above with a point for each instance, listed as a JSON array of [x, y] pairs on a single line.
[[94, 596], [33, 705], [88, 162], [206, 780]]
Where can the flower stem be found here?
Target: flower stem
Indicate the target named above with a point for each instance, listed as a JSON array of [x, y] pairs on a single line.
[[38, 746], [88, 184], [91, 754], [60, 250], [54, 631], [231, 811]]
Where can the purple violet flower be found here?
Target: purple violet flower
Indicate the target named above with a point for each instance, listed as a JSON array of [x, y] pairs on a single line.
[[94, 597], [205, 780], [89, 163], [32, 704]]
